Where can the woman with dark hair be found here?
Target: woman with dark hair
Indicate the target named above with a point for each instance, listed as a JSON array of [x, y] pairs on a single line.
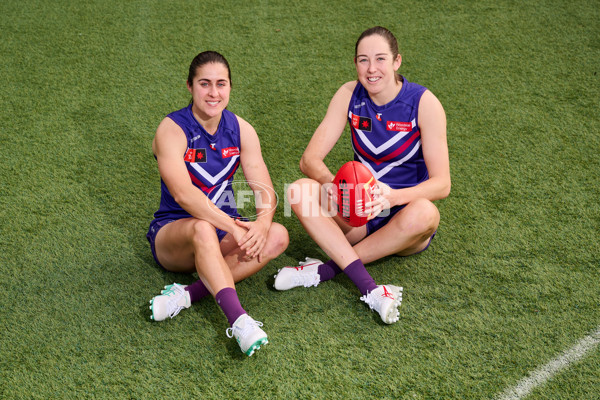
[[399, 133], [197, 227]]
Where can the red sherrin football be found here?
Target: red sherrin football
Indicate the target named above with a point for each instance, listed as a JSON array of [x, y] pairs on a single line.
[[354, 183]]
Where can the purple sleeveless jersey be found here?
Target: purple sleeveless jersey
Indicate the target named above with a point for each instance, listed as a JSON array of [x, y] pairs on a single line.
[[386, 138], [211, 161]]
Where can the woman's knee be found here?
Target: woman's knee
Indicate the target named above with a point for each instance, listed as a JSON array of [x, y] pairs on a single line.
[[301, 192], [203, 234], [428, 217], [308, 198], [277, 241], [421, 218]]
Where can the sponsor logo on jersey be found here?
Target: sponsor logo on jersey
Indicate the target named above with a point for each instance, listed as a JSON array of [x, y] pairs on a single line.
[[378, 116], [230, 152], [195, 156], [362, 123], [213, 146], [398, 126], [359, 105]]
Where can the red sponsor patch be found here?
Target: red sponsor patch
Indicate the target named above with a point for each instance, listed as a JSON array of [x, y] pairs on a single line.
[[362, 123], [230, 152], [398, 126], [195, 156]]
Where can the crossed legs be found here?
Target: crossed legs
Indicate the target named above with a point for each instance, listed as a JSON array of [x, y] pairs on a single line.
[[408, 232], [190, 244]]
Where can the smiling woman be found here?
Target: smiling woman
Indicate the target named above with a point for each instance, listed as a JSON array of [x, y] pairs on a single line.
[[209, 82], [373, 61], [399, 133], [198, 150]]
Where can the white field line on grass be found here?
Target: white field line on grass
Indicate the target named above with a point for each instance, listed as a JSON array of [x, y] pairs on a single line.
[[546, 372]]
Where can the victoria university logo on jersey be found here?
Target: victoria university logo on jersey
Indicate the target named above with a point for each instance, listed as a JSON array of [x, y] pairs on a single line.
[[195, 156]]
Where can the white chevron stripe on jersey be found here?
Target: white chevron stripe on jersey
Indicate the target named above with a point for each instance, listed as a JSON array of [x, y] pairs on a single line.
[[388, 167], [384, 146], [214, 179], [215, 198]]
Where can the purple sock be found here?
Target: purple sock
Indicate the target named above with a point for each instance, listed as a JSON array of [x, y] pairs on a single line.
[[197, 290], [328, 270], [357, 272], [228, 300]]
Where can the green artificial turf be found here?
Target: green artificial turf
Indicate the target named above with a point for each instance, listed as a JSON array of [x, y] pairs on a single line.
[[511, 280]]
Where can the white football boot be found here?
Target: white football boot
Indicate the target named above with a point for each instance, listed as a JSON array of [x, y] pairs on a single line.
[[385, 300], [170, 302], [305, 274], [248, 334]]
